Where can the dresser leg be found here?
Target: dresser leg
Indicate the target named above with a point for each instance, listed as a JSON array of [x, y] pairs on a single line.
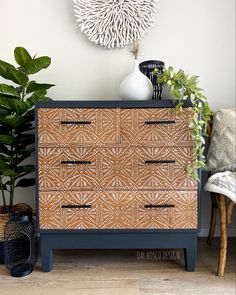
[[190, 258], [46, 258]]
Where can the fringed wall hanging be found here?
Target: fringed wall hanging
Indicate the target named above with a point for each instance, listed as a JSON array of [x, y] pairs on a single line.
[[115, 23]]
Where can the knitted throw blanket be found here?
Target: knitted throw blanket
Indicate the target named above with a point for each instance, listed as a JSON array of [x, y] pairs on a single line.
[[223, 183]]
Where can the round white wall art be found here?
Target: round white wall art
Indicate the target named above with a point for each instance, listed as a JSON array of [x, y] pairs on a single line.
[[115, 23]]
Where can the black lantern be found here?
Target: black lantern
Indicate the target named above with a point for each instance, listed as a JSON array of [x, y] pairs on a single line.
[[20, 243], [147, 68]]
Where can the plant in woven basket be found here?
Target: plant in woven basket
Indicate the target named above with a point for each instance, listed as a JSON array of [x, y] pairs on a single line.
[[182, 88], [17, 102]]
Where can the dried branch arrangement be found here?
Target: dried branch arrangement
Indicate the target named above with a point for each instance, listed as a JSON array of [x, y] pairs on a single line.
[[135, 49]]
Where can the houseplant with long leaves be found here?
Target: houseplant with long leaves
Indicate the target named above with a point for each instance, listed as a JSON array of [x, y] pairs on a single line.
[[184, 87], [17, 101]]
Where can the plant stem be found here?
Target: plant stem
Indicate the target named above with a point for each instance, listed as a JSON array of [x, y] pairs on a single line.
[[3, 194], [12, 188]]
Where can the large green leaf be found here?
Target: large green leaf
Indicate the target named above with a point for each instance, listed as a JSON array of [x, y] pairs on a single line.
[[14, 105], [3, 164], [25, 182], [12, 120], [8, 172], [8, 90], [9, 72], [18, 172], [38, 95], [3, 68], [22, 56], [5, 103], [4, 111], [16, 76], [19, 106], [37, 86], [7, 139], [25, 169], [37, 64]]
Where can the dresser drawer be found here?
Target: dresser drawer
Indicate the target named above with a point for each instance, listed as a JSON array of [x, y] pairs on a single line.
[[85, 168], [118, 210], [78, 127], [115, 168], [164, 168], [155, 127]]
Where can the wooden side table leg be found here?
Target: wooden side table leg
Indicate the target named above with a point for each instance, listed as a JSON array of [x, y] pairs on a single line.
[[230, 211], [221, 202], [213, 219]]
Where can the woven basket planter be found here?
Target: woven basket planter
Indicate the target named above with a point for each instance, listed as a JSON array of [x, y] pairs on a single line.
[[3, 220]]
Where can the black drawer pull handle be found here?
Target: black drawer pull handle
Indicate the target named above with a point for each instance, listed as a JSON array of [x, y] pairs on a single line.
[[159, 122], [159, 161], [75, 122], [159, 206], [76, 162], [76, 206]]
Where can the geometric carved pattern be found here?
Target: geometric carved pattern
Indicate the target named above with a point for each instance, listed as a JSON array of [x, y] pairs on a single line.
[[101, 130], [115, 168], [118, 210], [113, 177], [135, 131], [111, 127]]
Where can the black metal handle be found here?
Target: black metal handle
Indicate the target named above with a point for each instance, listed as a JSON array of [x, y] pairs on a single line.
[[159, 161], [159, 206], [75, 122], [76, 206], [159, 122], [76, 162]]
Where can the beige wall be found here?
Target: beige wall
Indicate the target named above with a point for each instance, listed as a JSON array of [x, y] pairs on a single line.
[[198, 36]]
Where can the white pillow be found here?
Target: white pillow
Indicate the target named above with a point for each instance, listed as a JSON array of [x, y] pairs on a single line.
[[222, 151]]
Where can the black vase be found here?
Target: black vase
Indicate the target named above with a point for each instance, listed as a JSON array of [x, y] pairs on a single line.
[[147, 67]]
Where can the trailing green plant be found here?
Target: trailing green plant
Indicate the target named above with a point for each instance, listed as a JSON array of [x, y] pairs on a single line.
[[185, 88], [17, 101]]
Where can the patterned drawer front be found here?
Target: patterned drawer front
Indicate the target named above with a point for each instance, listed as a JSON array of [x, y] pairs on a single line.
[[164, 168], [155, 127], [118, 210], [116, 168], [78, 127]]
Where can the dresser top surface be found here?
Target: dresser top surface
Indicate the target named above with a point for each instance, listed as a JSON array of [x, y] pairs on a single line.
[[108, 104]]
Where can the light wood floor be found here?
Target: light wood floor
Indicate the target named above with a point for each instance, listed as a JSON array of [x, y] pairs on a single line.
[[121, 272]]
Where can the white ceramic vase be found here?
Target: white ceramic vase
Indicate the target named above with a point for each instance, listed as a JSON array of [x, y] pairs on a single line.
[[136, 86]]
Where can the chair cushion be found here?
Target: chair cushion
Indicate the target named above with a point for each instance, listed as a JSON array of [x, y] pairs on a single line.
[[222, 151]]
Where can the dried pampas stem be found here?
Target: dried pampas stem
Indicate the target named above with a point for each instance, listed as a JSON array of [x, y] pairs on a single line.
[[134, 49]]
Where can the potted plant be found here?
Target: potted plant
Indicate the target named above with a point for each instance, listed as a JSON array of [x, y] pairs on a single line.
[[185, 88], [17, 102]]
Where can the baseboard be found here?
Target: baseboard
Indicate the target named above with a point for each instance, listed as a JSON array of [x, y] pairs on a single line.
[[204, 232]]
